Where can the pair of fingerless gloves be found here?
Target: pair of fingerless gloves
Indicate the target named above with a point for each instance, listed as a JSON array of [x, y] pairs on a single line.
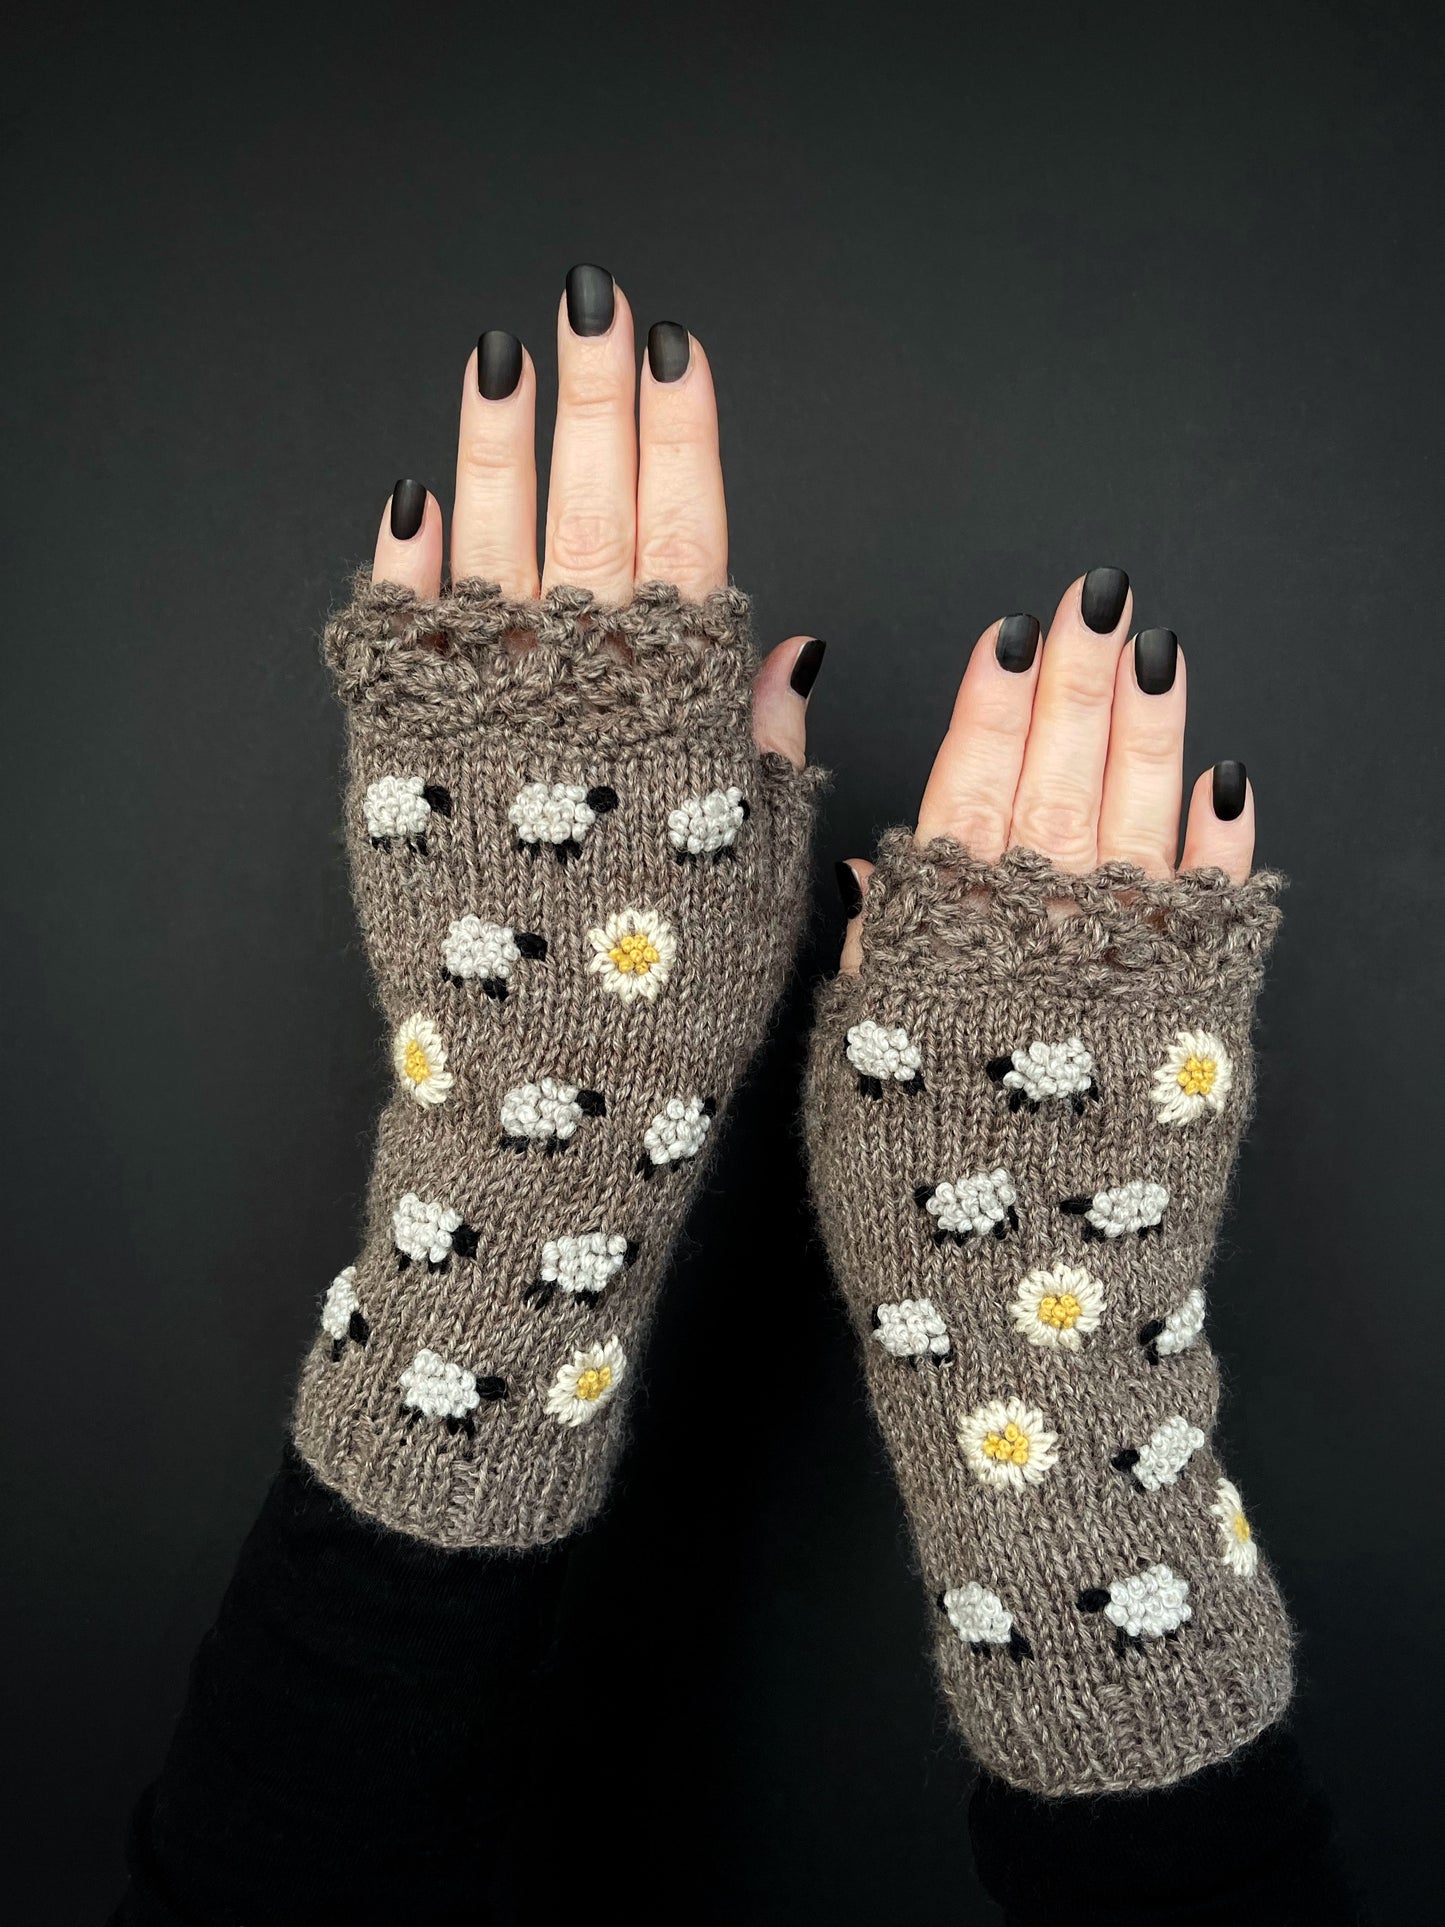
[[581, 888]]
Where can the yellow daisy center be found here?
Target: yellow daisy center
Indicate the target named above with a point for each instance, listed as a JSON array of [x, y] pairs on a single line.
[[415, 1064], [634, 954], [1240, 1526], [1197, 1075], [594, 1381], [1062, 1312], [1009, 1447]]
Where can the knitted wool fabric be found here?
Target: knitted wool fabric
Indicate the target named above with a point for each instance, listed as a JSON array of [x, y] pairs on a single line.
[[1021, 1130], [580, 887]]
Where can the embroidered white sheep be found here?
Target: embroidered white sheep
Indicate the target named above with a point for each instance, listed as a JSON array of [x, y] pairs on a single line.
[[1164, 1455], [1152, 1604], [475, 951], [341, 1314], [558, 816], [434, 1387], [1137, 1206], [676, 1134], [547, 1113], [970, 1207], [913, 1329], [1164, 1337], [1036, 1072], [707, 826], [426, 1231], [399, 809], [582, 1265], [883, 1055], [983, 1622]]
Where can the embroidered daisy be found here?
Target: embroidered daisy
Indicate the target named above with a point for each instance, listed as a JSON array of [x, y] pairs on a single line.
[[1194, 1078], [1236, 1541], [1058, 1307], [421, 1061], [581, 1389], [911, 1329], [632, 953], [1006, 1445]]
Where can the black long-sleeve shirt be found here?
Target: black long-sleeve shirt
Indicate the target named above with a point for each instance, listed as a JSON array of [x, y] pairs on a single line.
[[358, 1745]]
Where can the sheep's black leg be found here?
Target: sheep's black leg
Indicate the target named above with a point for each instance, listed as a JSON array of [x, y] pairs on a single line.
[[381, 843], [513, 1143], [629, 1257], [418, 843], [403, 1259], [358, 1328], [438, 1264], [336, 1351], [539, 1295], [495, 988], [870, 1087], [913, 1085]]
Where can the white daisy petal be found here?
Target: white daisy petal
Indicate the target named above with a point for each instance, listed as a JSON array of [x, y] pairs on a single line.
[[1194, 1080], [1236, 1541], [590, 1381], [632, 954], [1058, 1308], [1006, 1445], [420, 1058]]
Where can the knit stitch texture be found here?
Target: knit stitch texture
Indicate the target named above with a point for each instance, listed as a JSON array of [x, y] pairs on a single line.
[[571, 993], [1046, 1168]]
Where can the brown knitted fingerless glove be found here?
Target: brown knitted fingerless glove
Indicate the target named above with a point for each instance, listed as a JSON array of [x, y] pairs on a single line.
[[580, 887], [1021, 1129]]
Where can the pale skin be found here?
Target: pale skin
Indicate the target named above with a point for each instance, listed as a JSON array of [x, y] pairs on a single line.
[[1069, 756]]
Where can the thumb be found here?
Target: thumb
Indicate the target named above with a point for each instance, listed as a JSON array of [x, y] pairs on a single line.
[[853, 888]]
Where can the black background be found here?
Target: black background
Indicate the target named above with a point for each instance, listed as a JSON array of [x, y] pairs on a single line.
[[990, 298]]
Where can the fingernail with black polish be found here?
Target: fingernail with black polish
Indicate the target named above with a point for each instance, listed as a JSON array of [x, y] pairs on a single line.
[[849, 889], [1102, 601], [806, 664], [1156, 656], [499, 364], [408, 510], [669, 350], [1231, 785], [1018, 643], [589, 300]]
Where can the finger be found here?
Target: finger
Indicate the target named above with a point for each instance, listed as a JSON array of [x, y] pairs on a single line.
[[853, 889], [780, 697], [592, 492], [1220, 832], [1144, 774], [494, 519], [971, 786], [1056, 810], [409, 541], [682, 524]]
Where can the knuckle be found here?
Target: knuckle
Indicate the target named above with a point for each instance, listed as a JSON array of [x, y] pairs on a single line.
[[486, 461], [1061, 827], [982, 829], [591, 543], [592, 388], [1079, 683], [678, 552]]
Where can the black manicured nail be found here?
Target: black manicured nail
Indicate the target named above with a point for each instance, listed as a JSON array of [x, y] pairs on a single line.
[[1230, 787], [849, 889], [408, 510], [669, 350], [499, 364], [1018, 643], [1156, 656], [589, 300], [1102, 601], [806, 664]]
